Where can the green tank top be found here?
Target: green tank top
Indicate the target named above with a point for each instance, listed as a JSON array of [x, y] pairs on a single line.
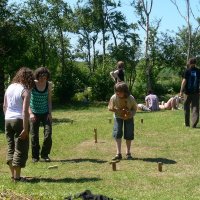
[[39, 101]]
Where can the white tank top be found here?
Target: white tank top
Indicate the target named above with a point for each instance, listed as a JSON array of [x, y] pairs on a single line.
[[14, 99]]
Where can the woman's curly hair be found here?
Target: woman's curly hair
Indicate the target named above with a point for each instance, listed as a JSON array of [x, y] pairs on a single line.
[[24, 76], [42, 71]]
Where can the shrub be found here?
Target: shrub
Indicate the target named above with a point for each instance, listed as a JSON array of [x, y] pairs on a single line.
[[84, 97], [69, 83], [102, 85]]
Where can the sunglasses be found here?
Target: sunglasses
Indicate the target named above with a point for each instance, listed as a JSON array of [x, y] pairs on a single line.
[[43, 75]]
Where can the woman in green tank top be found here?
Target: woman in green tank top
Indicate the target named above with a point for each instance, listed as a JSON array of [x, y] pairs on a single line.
[[40, 112]]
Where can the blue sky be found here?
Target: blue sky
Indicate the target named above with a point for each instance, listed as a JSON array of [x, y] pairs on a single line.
[[164, 9]]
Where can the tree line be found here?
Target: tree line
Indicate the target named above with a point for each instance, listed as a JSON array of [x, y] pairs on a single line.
[[40, 33]]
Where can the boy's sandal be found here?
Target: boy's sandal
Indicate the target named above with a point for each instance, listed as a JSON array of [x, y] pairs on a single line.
[[129, 157], [117, 157]]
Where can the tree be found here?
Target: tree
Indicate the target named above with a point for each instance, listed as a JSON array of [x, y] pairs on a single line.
[[143, 10], [34, 16], [13, 45], [107, 19], [61, 23], [190, 33], [88, 34], [128, 50], [3, 17]]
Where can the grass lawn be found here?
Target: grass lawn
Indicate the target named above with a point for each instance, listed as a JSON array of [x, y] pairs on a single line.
[[84, 164]]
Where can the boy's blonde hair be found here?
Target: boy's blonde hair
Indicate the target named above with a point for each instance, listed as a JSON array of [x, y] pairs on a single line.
[[122, 87]]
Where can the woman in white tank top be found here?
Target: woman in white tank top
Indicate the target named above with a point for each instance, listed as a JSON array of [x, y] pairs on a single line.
[[16, 104]]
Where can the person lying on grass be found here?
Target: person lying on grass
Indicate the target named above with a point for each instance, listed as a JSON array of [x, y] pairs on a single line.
[[171, 104]]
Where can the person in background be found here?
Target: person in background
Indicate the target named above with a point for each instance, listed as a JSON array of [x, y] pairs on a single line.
[[16, 105], [40, 111], [152, 101], [190, 88], [118, 74], [142, 107], [124, 107], [171, 104]]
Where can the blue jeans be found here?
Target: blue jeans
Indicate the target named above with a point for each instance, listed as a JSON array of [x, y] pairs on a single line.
[[128, 128]]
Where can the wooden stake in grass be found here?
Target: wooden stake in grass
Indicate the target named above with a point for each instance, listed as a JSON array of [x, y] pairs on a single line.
[[160, 164], [95, 135], [142, 121], [53, 167], [114, 165]]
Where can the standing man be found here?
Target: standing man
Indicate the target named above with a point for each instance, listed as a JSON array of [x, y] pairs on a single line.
[[190, 88]]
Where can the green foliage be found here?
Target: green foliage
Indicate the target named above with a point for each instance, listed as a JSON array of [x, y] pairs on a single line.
[[39, 32], [68, 83], [84, 97], [168, 82], [13, 39], [139, 90], [139, 87], [171, 53], [102, 85]]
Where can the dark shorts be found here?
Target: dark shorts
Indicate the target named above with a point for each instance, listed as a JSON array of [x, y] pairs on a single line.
[[17, 149], [128, 128]]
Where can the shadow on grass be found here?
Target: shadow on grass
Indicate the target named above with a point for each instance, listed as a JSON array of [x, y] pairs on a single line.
[[63, 120], [156, 160], [79, 105], [146, 112], [61, 180], [79, 160]]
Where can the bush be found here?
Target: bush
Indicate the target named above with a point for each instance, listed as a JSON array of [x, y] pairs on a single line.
[[84, 97], [69, 83], [102, 85]]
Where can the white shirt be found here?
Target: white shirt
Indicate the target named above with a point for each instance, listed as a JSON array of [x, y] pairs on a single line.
[[14, 101]]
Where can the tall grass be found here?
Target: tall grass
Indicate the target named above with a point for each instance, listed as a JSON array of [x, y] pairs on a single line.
[[84, 164]]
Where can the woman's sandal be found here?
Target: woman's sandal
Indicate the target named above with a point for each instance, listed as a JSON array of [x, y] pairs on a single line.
[[129, 157], [20, 179]]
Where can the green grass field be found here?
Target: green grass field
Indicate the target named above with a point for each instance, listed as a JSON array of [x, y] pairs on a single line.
[[84, 164]]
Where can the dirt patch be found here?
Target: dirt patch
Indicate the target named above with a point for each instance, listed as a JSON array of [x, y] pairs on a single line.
[[12, 196], [101, 146]]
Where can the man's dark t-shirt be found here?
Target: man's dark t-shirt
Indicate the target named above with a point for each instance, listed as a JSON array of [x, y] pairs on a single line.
[[192, 76]]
